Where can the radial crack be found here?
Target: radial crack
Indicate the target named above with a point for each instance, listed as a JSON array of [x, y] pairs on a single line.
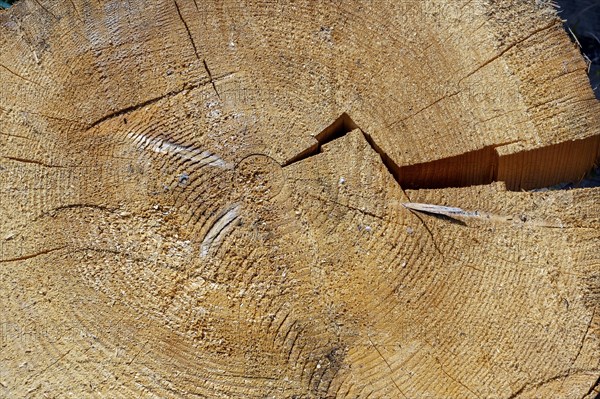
[[212, 81], [388, 365], [25, 257], [189, 33], [33, 161], [20, 76], [151, 101]]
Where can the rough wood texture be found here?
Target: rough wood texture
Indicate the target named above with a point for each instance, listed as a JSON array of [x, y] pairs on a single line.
[[205, 199]]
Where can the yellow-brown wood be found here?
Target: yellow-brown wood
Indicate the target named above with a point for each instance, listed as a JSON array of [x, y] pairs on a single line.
[[205, 199]]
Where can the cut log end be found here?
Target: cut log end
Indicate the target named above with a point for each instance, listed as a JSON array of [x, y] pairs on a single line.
[[304, 199]]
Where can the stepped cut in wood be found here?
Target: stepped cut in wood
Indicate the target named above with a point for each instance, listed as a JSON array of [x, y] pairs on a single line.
[[296, 199]]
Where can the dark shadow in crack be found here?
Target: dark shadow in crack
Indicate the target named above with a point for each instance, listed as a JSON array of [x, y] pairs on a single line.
[[568, 161], [339, 128]]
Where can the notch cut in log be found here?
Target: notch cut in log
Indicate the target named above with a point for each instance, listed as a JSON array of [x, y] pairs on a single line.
[[170, 225], [558, 163]]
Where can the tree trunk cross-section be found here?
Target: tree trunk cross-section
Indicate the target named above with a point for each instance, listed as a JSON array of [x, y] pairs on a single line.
[[244, 199]]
